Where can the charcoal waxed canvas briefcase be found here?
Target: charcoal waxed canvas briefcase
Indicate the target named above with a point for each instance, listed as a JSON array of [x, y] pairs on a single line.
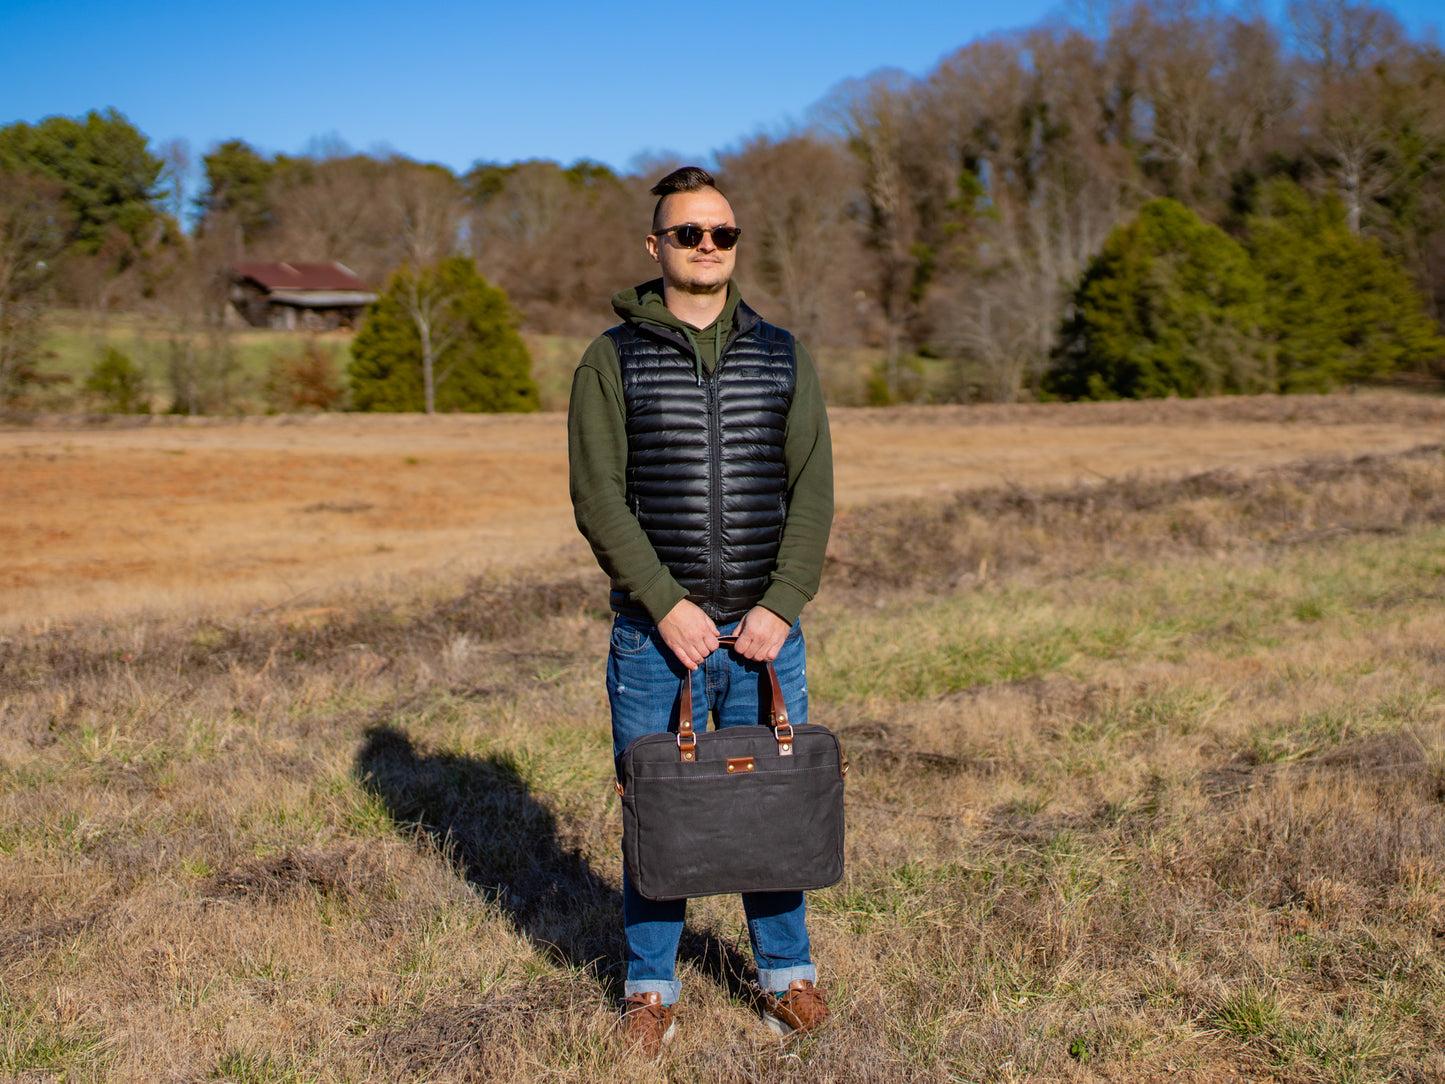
[[742, 809]]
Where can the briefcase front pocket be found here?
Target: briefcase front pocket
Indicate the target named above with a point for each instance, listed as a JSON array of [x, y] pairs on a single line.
[[743, 809]]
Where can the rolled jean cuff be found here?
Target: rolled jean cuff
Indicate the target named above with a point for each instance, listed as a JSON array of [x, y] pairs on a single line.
[[775, 982], [670, 990]]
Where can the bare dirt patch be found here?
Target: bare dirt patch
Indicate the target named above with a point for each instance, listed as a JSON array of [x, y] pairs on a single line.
[[180, 514]]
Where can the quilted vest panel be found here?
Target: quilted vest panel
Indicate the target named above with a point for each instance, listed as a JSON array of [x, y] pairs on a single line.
[[706, 474]]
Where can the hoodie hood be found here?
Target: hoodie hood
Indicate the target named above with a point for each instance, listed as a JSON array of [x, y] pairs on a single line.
[[644, 305]]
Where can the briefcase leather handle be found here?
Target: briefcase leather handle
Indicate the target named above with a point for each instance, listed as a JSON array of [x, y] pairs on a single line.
[[777, 712]]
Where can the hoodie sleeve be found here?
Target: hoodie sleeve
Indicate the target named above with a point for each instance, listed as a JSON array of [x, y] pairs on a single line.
[[597, 477], [809, 451]]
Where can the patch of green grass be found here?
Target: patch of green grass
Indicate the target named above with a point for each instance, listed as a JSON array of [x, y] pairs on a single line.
[[252, 1067], [1290, 739], [73, 342], [48, 1052], [1250, 1012], [198, 867], [362, 812], [31, 1044], [906, 895], [1341, 1048], [1177, 710], [1171, 612], [941, 647]]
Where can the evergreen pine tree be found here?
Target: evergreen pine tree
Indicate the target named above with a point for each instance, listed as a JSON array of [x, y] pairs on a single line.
[[1170, 306], [449, 319], [1338, 308]]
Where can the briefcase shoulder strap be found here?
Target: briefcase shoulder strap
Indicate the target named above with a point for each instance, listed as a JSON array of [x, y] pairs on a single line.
[[777, 712]]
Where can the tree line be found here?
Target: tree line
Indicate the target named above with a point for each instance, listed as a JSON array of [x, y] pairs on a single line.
[[1168, 198]]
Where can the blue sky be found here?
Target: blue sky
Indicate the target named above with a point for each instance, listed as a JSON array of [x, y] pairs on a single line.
[[457, 83]]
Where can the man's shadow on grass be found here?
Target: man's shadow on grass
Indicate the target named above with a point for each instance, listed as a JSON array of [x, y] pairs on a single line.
[[481, 814]]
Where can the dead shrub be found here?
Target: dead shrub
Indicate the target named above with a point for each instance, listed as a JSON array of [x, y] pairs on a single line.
[[343, 873], [489, 1038], [1336, 843], [46, 935], [310, 380], [252, 648]]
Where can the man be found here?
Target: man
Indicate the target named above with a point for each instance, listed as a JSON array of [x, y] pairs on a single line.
[[702, 477]]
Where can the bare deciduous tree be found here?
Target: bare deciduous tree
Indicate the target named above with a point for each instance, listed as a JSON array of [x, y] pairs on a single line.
[[1348, 50], [559, 240], [34, 224], [878, 118], [426, 207], [431, 307], [1043, 178], [796, 199]]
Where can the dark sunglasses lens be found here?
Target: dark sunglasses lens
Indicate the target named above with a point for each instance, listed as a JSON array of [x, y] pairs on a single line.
[[689, 236], [725, 237]]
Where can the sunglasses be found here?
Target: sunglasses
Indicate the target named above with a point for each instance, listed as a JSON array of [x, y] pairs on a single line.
[[690, 236]]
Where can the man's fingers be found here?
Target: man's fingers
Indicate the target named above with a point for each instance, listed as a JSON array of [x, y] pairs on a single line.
[[690, 634], [761, 635], [691, 653], [756, 648], [758, 652]]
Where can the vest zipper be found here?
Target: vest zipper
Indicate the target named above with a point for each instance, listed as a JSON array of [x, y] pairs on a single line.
[[714, 491]]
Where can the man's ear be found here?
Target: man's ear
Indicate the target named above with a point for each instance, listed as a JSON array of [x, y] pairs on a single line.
[[652, 246]]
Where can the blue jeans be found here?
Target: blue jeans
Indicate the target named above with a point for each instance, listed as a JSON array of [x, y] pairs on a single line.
[[644, 688]]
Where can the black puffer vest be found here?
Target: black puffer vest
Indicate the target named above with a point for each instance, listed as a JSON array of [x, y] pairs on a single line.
[[706, 474]]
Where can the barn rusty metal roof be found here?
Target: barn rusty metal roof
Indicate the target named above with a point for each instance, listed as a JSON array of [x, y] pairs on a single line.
[[321, 299], [302, 276]]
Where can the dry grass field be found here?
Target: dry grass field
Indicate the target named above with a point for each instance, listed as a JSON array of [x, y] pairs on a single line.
[[193, 516], [304, 767]]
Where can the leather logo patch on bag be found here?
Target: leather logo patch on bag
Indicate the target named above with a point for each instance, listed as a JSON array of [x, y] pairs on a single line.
[[740, 764]]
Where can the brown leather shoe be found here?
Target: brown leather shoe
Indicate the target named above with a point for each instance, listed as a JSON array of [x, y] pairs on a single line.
[[647, 1024], [802, 1007]]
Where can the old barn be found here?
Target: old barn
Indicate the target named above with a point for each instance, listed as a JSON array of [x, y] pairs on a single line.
[[299, 296]]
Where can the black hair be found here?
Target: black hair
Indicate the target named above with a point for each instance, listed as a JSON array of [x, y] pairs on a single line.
[[686, 179]]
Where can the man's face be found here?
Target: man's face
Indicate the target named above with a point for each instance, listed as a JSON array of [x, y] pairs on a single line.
[[702, 270]]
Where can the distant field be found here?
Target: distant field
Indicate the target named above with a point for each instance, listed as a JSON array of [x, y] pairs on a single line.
[[74, 341], [213, 513], [305, 772]]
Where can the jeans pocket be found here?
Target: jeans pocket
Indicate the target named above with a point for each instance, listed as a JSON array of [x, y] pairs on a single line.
[[630, 637]]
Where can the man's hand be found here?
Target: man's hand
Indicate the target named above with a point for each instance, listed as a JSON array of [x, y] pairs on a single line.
[[690, 633], [761, 635]]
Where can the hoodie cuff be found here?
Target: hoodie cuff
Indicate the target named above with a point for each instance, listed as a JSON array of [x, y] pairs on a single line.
[[660, 596], [785, 600]]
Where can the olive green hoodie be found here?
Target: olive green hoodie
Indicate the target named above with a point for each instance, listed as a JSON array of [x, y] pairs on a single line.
[[597, 447]]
